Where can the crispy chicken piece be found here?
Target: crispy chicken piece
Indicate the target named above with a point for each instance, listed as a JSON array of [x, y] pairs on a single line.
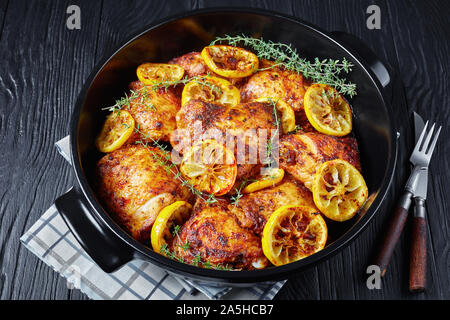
[[134, 188], [254, 209], [197, 118], [154, 112], [276, 83], [193, 64], [302, 153], [214, 235]]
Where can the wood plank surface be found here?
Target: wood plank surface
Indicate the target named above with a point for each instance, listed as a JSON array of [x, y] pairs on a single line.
[[423, 57], [44, 66]]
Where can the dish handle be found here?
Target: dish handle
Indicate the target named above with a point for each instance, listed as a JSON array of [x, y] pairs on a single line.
[[102, 245], [357, 45]]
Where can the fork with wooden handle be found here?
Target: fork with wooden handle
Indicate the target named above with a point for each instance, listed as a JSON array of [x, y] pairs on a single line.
[[415, 188], [418, 255]]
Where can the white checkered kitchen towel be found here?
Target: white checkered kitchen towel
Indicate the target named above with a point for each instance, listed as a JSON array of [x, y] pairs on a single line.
[[50, 239]]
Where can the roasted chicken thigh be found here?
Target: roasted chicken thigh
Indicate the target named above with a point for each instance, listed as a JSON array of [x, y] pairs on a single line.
[[301, 154], [134, 188], [213, 235], [255, 208], [192, 63], [198, 120], [276, 83], [154, 113]]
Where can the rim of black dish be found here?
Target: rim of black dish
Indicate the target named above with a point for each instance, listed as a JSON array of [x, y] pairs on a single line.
[[245, 276]]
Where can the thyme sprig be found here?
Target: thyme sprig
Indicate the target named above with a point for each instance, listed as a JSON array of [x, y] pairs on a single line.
[[196, 260], [238, 195], [270, 144], [238, 191], [297, 128], [176, 233], [124, 101], [320, 71]]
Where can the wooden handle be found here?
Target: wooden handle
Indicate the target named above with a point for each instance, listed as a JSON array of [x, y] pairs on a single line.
[[393, 233], [418, 261]]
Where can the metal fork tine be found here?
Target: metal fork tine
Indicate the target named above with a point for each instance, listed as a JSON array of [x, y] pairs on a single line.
[[419, 142], [433, 143], [428, 138]]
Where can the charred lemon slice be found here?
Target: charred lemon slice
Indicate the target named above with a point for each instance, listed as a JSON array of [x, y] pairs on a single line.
[[151, 73], [327, 111], [173, 215], [116, 130], [287, 114], [210, 167], [339, 190], [213, 90], [293, 233], [229, 61], [271, 177]]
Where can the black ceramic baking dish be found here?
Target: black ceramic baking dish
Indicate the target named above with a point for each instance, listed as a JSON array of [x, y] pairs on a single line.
[[108, 244]]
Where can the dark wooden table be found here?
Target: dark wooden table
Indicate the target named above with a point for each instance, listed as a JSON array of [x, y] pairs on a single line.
[[43, 66]]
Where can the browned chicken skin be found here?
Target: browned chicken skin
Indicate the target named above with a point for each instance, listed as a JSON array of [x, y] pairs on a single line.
[[302, 153], [198, 117], [193, 64], [254, 209], [135, 188], [154, 113], [214, 235], [276, 83]]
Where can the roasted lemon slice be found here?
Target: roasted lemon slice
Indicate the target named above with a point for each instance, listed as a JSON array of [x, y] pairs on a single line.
[[287, 114], [175, 214], [327, 111], [271, 177], [116, 130], [229, 61], [213, 90], [210, 167], [151, 73], [339, 190], [293, 233]]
